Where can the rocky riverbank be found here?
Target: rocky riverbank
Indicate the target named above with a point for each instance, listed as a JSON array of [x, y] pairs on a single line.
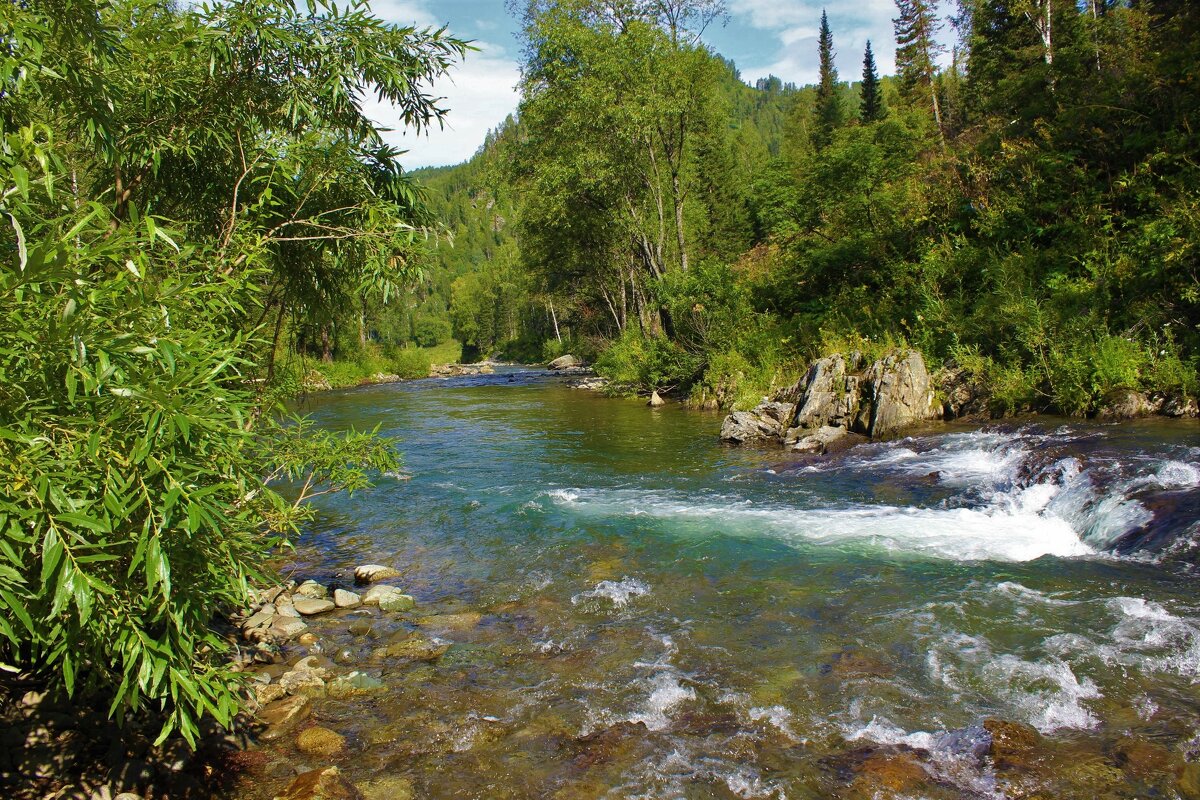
[[845, 398]]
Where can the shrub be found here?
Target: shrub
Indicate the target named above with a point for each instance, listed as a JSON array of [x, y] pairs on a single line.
[[646, 364], [411, 363], [430, 331]]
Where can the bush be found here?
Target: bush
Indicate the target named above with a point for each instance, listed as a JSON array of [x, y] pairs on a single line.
[[648, 364], [411, 363]]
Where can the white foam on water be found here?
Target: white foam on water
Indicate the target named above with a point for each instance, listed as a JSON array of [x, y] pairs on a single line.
[[1150, 637], [884, 731], [1016, 533], [1025, 594], [1048, 693], [619, 593], [666, 695]]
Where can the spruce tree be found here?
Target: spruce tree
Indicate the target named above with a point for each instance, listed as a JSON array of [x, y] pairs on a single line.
[[917, 50], [871, 107], [829, 105]]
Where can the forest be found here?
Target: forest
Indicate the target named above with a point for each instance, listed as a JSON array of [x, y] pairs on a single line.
[[1023, 206]]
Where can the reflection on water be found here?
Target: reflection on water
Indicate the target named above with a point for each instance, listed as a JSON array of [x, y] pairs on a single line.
[[638, 611]]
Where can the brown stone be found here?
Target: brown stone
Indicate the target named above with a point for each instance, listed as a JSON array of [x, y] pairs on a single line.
[[320, 742], [388, 787], [1142, 758], [1014, 744], [321, 784], [896, 772], [282, 716], [454, 622]]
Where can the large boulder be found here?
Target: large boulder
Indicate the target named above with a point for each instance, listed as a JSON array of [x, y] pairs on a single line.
[[838, 395], [564, 362], [901, 393]]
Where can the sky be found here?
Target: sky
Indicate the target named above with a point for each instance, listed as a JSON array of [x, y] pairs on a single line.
[[762, 37]]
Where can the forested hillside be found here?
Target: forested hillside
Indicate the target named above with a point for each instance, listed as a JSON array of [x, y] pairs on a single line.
[[1025, 205]]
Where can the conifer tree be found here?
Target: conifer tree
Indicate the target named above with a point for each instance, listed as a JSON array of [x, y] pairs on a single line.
[[828, 107], [871, 107], [917, 50]]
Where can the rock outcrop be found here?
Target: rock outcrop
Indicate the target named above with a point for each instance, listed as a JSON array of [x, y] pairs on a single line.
[[841, 395]]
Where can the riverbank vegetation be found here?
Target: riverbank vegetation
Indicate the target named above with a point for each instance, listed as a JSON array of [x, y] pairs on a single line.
[[185, 190], [1024, 206]]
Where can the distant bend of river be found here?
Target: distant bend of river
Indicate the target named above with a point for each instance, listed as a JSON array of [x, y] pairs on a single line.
[[663, 616]]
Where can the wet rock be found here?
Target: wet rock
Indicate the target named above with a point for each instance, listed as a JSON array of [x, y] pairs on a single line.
[[819, 441], [854, 663], [1180, 406], [413, 647], [974, 742], [321, 784], [284, 607], [603, 746], [1015, 745], [282, 716], [593, 383], [453, 622], [345, 599], [388, 598], [371, 573], [655, 400], [1144, 759], [352, 684], [320, 742], [564, 362], [312, 590], [361, 627], [1127, 404], [749, 426], [389, 787], [893, 772], [309, 607], [1189, 780], [308, 639]]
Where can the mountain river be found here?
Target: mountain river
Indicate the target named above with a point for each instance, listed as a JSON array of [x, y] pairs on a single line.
[[634, 610]]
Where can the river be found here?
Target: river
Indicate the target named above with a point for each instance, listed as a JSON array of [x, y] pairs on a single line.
[[664, 616]]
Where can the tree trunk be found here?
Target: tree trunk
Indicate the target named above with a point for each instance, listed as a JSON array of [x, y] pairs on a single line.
[[554, 317], [326, 345]]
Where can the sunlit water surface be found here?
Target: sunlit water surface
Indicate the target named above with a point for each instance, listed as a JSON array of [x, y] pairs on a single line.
[[664, 616]]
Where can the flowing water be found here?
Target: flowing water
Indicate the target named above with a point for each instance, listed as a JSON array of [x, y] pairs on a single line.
[[663, 616]]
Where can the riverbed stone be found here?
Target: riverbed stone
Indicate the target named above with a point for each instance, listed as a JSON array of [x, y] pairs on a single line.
[[1015, 745], [282, 716], [352, 684], [326, 783], [387, 787], [267, 693], [345, 599], [320, 741], [371, 573], [261, 619], [309, 607], [286, 628], [388, 598], [413, 647], [455, 622], [307, 682], [564, 362], [311, 589]]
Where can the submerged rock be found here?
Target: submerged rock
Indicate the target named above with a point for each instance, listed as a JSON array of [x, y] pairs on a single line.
[[351, 684], [389, 787], [413, 647], [282, 716], [320, 742], [455, 622], [1014, 745], [321, 784]]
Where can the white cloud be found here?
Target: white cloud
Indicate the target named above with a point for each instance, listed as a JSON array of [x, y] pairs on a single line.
[[479, 93]]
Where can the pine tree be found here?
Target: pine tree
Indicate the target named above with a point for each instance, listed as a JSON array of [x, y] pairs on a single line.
[[830, 114], [871, 107], [917, 50]]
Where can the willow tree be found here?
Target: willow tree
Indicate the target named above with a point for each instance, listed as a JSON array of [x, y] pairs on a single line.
[[158, 165]]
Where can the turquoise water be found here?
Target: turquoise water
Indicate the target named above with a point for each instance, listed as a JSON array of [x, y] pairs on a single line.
[[663, 616]]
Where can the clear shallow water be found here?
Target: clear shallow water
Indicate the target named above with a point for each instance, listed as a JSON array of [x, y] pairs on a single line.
[[666, 617]]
